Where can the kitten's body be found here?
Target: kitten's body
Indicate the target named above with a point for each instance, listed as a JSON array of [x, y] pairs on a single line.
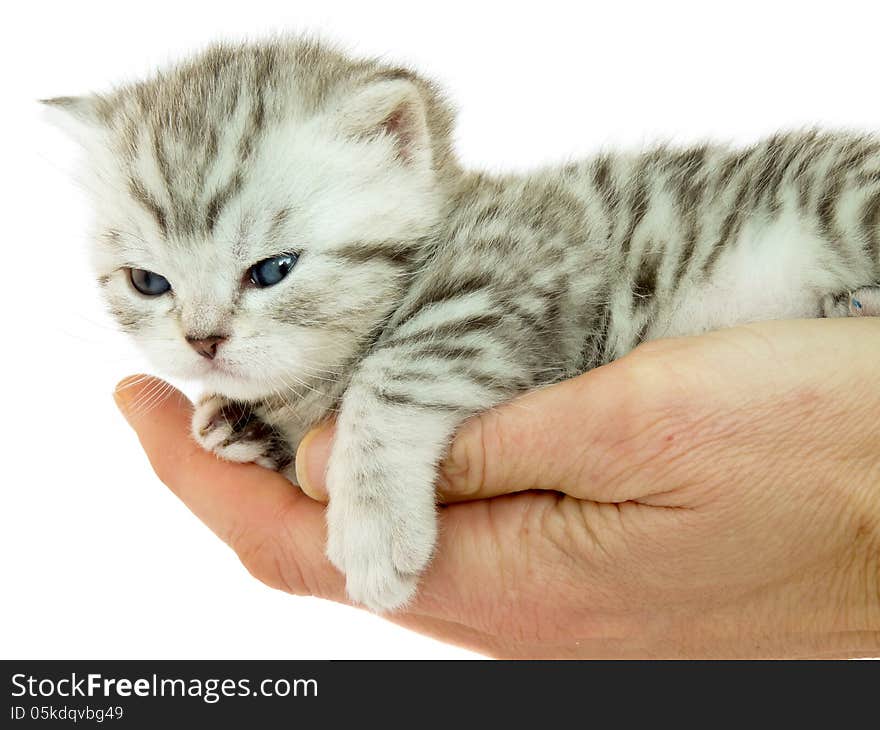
[[425, 294]]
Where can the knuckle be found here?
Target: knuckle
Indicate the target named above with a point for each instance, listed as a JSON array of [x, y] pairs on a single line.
[[657, 390], [653, 411]]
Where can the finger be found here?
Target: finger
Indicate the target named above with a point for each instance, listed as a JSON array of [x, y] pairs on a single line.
[[224, 496], [311, 461], [258, 512], [578, 437], [280, 535], [551, 439]]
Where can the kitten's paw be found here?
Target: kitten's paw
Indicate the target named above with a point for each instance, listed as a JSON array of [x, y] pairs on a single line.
[[232, 431], [380, 548], [863, 302]]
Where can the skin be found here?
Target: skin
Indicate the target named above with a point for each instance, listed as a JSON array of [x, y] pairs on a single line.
[[712, 496]]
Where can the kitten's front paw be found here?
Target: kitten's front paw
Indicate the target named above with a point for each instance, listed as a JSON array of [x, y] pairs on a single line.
[[232, 431], [382, 548]]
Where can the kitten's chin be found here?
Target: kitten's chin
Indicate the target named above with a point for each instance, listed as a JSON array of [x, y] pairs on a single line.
[[234, 387]]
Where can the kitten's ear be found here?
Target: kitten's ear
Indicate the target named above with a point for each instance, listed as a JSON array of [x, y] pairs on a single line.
[[392, 106], [78, 116]]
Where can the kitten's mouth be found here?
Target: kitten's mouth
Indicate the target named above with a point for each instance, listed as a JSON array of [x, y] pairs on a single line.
[[226, 379], [217, 367]]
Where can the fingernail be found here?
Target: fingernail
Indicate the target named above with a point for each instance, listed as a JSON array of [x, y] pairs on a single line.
[[311, 461]]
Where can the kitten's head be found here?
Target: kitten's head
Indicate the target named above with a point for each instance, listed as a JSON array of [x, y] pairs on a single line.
[[259, 208]]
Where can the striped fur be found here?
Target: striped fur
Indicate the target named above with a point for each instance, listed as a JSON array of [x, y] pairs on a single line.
[[423, 293]]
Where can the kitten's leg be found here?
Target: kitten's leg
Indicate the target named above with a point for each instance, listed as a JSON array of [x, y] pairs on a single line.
[[863, 302], [397, 418], [234, 431]]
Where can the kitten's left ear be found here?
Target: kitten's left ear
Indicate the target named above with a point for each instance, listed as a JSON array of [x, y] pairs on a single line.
[[391, 105], [78, 116]]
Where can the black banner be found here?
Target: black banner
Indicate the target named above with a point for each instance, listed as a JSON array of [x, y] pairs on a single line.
[[266, 694]]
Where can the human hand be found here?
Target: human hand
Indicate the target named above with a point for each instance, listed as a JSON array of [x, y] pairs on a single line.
[[715, 496]]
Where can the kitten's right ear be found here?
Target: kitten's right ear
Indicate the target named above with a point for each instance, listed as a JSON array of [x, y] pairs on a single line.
[[392, 105], [78, 116]]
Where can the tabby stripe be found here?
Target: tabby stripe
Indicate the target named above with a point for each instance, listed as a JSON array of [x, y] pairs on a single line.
[[593, 348], [528, 318], [552, 316], [730, 169], [729, 228], [142, 196], [444, 352], [394, 253], [689, 195], [643, 331], [220, 199], [868, 178], [690, 161], [402, 399], [769, 160], [604, 184], [162, 162], [445, 292], [645, 286], [211, 149], [863, 151], [448, 329], [484, 380], [492, 382], [490, 213], [870, 225], [600, 339], [276, 227], [827, 208], [638, 208], [186, 219], [410, 376], [803, 175], [255, 126], [773, 190], [684, 259]]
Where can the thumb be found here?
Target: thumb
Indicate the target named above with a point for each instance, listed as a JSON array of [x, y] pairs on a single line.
[[577, 437], [312, 456]]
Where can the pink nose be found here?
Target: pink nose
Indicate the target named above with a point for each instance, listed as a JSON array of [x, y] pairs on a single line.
[[206, 346]]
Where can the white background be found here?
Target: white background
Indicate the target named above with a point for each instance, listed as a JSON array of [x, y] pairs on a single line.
[[99, 560]]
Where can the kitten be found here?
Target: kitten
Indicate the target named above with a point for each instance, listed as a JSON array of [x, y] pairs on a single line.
[[292, 227]]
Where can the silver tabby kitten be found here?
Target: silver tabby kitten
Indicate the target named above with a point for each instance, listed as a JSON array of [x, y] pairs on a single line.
[[291, 226]]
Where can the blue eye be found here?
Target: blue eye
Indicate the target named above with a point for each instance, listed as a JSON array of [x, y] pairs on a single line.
[[269, 272], [148, 282]]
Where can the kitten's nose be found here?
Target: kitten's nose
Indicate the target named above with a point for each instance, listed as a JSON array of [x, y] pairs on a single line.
[[206, 346]]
